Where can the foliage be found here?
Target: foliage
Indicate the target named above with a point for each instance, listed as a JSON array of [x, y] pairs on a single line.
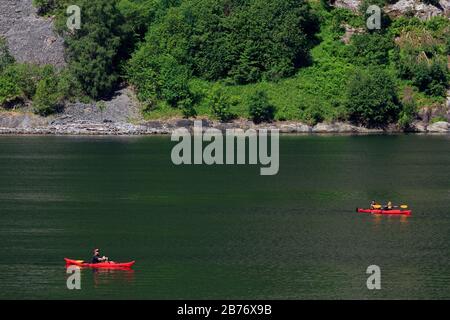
[[438, 119], [371, 48], [409, 109], [160, 77], [9, 90], [5, 57], [243, 41], [220, 104], [47, 99], [372, 99], [94, 51], [431, 78], [260, 108]]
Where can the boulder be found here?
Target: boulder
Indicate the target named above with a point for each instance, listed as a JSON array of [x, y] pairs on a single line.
[[21, 120], [420, 10], [418, 126], [346, 4], [445, 5], [440, 126]]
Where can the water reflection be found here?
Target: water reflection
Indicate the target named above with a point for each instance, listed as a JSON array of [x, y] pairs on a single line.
[[379, 218], [109, 276]]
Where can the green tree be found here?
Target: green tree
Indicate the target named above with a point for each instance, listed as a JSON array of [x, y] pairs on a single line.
[[47, 99], [9, 90], [409, 109], [5, 57], [260, 108], [95, 50], [431, 78], [371, 98]]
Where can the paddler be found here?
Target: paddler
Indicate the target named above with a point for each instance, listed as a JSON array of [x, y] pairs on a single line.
[[96, 258], [374, 205], [389, 205]]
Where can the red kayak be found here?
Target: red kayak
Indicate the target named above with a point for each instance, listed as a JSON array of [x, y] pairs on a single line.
[[382, 211], [81, 263]]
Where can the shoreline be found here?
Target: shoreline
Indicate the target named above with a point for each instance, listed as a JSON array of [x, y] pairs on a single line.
[[166, 127]]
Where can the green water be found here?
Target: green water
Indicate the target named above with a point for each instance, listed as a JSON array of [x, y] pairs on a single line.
[[223, 232]]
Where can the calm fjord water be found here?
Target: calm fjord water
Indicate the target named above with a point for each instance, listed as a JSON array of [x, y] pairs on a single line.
[[225, 231]]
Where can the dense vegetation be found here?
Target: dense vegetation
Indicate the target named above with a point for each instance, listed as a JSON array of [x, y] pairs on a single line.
[[282, 60]]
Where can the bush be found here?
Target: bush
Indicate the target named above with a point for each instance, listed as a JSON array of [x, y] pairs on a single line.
[[26, 76], [9, 91], [160, 77], [409, 109], [438, 119], [47, 99], [371, 48], [371, 98], [220, 104], [47, 6], [187, 107], [431, 78], [260, 108]]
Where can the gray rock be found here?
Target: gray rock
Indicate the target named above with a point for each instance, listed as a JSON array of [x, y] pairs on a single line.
[[418, 126], [338, 127], [121, 108], [445, 5], [419, 9], [21, 120], [30, 38], [346, 4], [440, 126]]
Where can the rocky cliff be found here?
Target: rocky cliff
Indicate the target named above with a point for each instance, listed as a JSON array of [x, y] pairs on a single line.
[[30, 38]]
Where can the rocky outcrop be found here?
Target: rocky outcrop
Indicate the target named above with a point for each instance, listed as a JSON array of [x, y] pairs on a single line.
[[346, 4], [445, 5], [19, 123], [120, 108], [340, 127], [415, 7], [30, 38], [440, 126]]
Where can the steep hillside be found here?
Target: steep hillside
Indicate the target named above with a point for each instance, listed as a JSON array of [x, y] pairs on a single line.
[[30, 38]]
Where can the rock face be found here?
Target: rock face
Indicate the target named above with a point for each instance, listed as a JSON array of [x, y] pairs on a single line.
[[419, 9], [445, 5], [347, 4], [440, 126], [122, 108], [19, 123], [30, 38]]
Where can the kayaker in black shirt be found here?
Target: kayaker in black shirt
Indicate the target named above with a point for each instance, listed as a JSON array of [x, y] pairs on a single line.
[[96, 258]]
